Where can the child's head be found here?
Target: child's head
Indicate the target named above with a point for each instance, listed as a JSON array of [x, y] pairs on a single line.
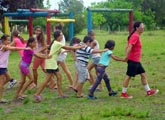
[[59, 27], [16, 33], [110, 44], [58, 35], [75, 40], [5, 39], [31, 42], [39, 34], [87, 40], [91, 34]]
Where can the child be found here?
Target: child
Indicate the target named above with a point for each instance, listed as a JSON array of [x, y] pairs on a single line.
[[133, 54], [5, 50], [101, 67], [40, 47], [24, 67], [95, 60], [18, 41], [82, 57], [51, 65], [62, 57], [75, 42]]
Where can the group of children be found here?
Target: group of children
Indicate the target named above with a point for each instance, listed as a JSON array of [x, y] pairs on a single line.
[[48, 57]]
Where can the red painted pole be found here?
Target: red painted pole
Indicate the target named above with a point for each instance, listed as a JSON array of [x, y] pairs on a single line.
[[48, 30], [130, 21], [30, 26]]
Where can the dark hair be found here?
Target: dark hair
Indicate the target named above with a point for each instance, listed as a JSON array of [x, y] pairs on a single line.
[[109, 44], [4, 37], [16, 34], [75, 40], [41, 37], [30, 40], [87, 39], [90, 32], [136, 24], [56, 35], [59, 27]]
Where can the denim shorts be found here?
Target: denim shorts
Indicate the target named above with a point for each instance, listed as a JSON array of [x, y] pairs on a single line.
[[3, 71], [61, 57], [96, 60], [82, 70], [134, 68]]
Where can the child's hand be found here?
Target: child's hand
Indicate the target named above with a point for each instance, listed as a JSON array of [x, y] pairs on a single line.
[[27, 48], [125, 59]]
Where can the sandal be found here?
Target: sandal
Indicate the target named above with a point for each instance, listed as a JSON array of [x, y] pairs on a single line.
[[3, 101], [37, 98]]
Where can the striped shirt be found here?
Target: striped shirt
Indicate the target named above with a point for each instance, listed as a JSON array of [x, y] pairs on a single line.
[[83, 54]]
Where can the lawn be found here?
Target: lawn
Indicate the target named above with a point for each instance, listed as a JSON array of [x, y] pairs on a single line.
[[105, 107]]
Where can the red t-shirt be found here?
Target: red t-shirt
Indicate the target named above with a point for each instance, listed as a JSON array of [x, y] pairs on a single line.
[[136, 51]]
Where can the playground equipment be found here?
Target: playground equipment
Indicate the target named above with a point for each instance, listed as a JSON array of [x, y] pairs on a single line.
[[37, 13], [90, 10]]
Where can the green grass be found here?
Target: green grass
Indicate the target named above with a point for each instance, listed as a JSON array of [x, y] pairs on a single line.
[[105, 107]]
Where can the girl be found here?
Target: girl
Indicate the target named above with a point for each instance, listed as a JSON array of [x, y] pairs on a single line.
[[51, 65], [18, 41], [62, 57], [5, 49], [133, 54], [24, 67], [40, 47], [102, 65]]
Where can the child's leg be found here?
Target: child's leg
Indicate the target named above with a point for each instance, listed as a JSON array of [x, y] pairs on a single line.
[[59, 83], [90, 67], [101, 72], [107, 82], [76, 79], [67, 72], [1, 85], [79, 89], [27, 84], [42, 86], [20, 86]]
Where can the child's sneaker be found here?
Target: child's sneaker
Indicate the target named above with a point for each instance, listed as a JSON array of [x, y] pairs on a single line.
[[113, 93], [152, 92], [12, 83], [125, 95], [91, 97]]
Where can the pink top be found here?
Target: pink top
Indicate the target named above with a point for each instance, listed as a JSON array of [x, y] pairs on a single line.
[[28, 55], [18, 43], [136, 52], [4, 55]]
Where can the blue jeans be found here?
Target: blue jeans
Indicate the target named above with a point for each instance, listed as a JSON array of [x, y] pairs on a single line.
[[101, 75]]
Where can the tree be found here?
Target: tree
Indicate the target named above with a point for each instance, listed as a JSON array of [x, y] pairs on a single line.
[[75, 6]]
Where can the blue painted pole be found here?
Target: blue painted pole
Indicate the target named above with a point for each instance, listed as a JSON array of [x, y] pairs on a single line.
[[27, 14], [71, 27], [89, 20]]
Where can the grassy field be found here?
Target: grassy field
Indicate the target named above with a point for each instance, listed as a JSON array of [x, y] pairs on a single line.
[[140, 107]]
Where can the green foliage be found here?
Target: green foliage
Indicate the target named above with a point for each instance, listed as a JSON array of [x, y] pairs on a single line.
[[76, 7]]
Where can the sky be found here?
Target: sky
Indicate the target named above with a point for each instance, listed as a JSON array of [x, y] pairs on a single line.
[[87, 3]]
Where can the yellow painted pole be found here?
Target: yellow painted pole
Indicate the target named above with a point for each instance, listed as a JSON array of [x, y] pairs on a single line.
[[60, 20], [6, 25]]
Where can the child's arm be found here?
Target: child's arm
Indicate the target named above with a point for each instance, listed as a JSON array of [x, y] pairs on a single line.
[[40, 55], [14, 48], [117, 58], [73, 47], [99, 51]]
